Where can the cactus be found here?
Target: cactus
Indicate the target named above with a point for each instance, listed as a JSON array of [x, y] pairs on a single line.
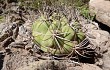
[[55, 35]]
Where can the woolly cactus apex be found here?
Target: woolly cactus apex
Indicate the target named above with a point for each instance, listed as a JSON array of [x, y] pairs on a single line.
[[55, 35]]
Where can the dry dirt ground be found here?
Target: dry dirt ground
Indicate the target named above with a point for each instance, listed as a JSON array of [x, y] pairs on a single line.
[[19, 52]]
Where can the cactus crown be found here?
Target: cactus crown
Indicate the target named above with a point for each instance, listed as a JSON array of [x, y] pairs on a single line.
[[55, 35]]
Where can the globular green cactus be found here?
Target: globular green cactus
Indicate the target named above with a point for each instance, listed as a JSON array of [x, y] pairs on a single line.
[[55, 35]]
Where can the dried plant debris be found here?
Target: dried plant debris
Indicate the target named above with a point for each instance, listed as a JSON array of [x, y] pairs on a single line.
[[58, 34]]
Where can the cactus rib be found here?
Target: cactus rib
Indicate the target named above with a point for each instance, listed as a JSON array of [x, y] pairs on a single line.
[[56, 37]]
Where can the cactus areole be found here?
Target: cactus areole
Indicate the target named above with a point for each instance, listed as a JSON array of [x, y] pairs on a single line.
[[55, 35]]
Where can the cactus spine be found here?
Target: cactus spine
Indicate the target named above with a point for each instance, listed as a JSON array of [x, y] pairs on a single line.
[[54, 35]]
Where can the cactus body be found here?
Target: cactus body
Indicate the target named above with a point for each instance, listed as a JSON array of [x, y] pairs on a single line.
[[55, 36]]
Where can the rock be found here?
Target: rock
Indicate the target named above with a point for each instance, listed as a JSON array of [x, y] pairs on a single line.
[[101, 8], [90, 26], [16, 59], [74, 68], [99, 38], [18, 44], [23, 34], [106, 60], [7, 30], [44, 65], [90, 67], [21, 59], [57, 65]]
